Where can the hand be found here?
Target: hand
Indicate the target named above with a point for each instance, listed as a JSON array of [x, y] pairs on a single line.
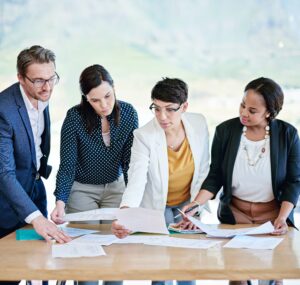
[[280, 226], [48, 230], [186, 225], [191, 213], [58, 213], [119, 230]]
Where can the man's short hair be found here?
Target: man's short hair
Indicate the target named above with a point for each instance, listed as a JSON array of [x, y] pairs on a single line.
[[34, 54]]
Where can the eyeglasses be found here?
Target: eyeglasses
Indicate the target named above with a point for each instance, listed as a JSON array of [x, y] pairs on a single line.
[[39, 83], [169, 111]]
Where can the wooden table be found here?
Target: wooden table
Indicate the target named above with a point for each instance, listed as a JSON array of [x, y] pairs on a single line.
[[32, 260]]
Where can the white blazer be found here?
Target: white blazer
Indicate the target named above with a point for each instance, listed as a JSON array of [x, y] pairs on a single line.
[[148, 173]]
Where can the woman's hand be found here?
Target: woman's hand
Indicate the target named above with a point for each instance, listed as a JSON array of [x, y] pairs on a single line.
[[190, 213], [280, 226], [186, 225], [58, 213], [119, 230]]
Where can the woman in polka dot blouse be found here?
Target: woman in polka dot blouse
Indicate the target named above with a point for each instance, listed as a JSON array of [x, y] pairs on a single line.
[[96, 140]]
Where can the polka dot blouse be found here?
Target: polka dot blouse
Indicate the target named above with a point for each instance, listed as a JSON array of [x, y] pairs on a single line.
[[86, 159]]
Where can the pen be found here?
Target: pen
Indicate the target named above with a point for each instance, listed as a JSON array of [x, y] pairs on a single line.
[[188, 210]]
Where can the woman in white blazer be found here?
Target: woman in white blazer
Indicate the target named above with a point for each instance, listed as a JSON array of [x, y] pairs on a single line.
[[169, 157], [148, 176], [149, 170]]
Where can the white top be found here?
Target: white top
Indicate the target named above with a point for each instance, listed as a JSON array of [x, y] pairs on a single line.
[[252, 183], [106, 138], [36, 117], [37, 122], [148, 174]]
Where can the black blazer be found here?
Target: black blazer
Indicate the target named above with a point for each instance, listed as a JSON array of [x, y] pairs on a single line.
[[285, 164]]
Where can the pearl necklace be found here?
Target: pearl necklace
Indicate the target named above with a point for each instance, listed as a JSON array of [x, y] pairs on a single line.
[[255, 159]]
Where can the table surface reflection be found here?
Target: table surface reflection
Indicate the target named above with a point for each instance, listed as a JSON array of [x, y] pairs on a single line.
[[32, 260]]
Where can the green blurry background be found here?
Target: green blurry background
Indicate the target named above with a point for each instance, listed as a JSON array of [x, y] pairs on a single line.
[[216, 46]]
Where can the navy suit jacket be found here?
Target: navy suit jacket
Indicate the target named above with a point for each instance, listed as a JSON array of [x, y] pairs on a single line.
[[18, 167], [285, 164]]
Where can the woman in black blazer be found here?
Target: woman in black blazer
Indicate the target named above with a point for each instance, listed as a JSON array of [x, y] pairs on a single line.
[[256, 159]]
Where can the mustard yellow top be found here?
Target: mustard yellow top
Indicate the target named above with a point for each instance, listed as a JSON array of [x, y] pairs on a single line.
[[181, 171]]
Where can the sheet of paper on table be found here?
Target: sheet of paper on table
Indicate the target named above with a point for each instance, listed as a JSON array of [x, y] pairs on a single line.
[[265, 228]]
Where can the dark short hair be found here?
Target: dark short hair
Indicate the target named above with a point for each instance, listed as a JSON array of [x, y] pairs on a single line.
[[170, 90], [91, 77], [34, 54], [271, 92]]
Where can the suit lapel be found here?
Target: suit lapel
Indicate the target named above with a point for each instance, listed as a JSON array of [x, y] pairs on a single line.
[[274, 146], [24, 116], [162, 155], [233, 147], [193, 145]]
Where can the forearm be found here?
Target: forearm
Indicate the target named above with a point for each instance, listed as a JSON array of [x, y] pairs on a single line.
[[285, 210], [203, 196]]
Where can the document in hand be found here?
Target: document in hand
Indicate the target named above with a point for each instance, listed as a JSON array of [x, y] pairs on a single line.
[[142, 220], [92, 215], [265, 228]]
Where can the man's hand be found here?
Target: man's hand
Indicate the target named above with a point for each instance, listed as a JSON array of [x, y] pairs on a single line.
[[48, 230], [119, 230], [58, 213]]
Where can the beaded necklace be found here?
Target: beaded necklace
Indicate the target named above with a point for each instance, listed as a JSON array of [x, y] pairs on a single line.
[[253, 161]]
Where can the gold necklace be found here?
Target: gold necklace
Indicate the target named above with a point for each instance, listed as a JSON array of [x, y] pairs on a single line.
[[256, 158]]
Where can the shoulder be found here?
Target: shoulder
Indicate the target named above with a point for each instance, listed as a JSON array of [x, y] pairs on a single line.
[[6, 96], [284, 128], [148, 131], [195, 119], [126, 108], [234, 122], [73, 112], [229, 126], [73, 116]]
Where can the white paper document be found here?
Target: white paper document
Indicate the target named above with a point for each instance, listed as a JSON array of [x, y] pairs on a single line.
[[253, 242], [265, 228], [76, 250], [142, 220], [168, 241], [184, 243], [98, 239], [92, 215], [75, 232]]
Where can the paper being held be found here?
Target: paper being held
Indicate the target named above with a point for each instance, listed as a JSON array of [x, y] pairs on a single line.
[[92, 215], [142, 220]]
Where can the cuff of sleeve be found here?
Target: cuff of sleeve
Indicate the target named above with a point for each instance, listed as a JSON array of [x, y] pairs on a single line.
[[32, 216]]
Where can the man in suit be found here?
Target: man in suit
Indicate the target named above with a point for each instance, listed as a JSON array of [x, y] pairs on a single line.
[[25, 145]]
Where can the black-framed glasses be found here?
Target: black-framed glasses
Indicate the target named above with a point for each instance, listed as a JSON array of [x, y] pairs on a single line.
[[169, 110], [39, 83]]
